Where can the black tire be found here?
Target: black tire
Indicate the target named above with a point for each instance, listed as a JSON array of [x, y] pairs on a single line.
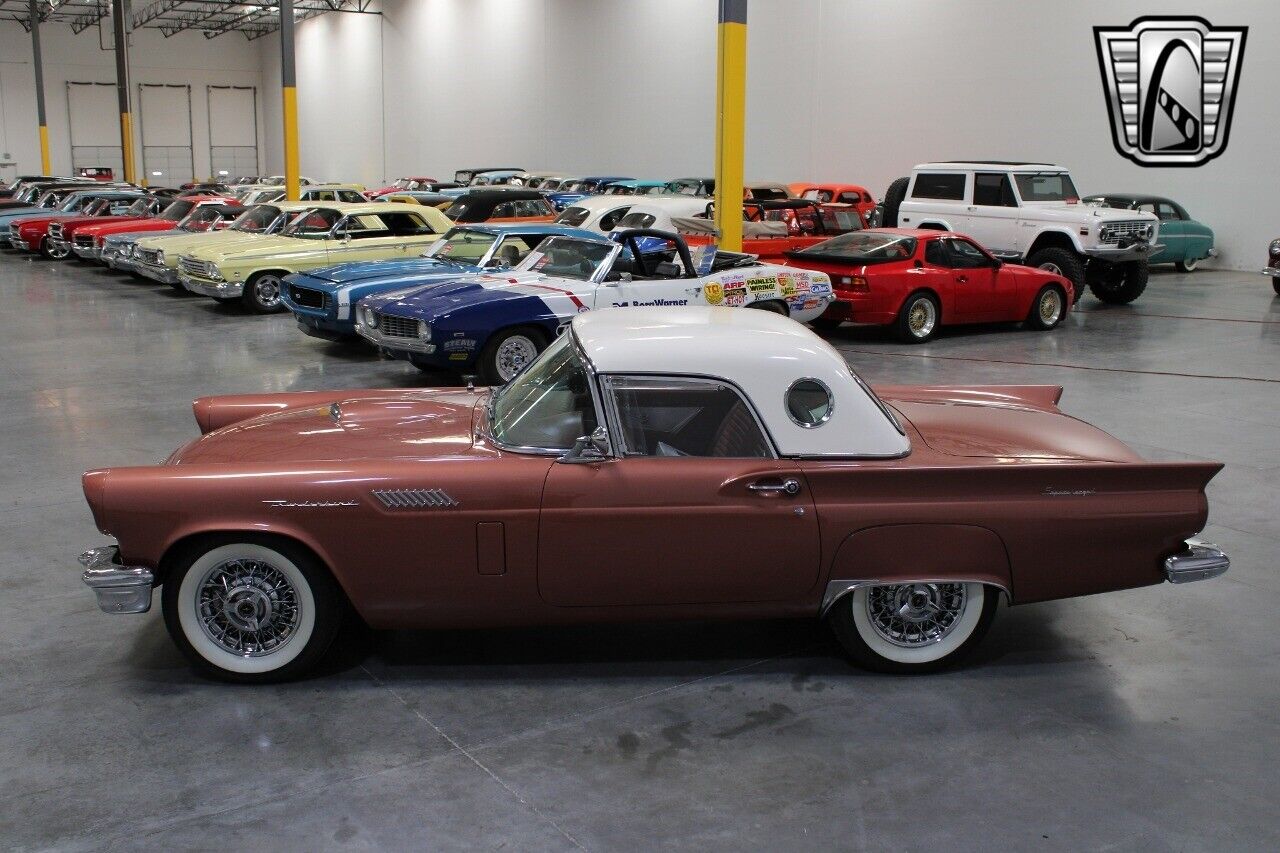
[[918, 319], [826, 324], [892, 201], [1045, 313], [850, 619], [262, 293], [1063, 262], [1188, 265], [1275, 284], [773, 306], [307, 581], [488, 365], [1117, 284]]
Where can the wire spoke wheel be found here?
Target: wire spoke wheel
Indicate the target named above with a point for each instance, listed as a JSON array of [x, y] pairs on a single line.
[[917, 614], [922, 318], [1050, 307], [248, 607]]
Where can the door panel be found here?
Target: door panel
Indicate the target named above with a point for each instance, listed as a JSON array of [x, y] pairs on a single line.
[[685, 530]]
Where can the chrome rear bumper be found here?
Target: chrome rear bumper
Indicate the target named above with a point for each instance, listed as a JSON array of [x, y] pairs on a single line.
[[1199, 562], [120, 589]]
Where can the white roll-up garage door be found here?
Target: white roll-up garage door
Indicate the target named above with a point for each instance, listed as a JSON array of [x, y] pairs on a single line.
[[164, 115], [95, 127], [233, 131]]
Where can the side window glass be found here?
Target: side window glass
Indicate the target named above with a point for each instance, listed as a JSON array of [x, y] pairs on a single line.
[[610, 220], [935, 252], [1167, 212], [992, 189], [809, 403], [1147, 207], [948, 186], [846, 198], [679, 416], [510, 253], [966, 255], [503, 211]]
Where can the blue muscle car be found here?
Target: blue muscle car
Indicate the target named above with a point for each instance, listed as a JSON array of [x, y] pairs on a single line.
[[570, 191], [322, 300]]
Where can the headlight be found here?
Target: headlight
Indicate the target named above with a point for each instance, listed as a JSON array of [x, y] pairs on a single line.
[[424, 330], [1151, 231], [160, 257]]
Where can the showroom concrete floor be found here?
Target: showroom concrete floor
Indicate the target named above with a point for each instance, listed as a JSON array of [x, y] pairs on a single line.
[[1143, 720]]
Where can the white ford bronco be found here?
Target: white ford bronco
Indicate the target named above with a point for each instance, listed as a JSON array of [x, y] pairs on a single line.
[[1030, 213]]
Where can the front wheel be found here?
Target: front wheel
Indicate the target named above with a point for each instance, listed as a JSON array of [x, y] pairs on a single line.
[[55, 251], [1063, 262], [1117, 284], [252, 612], [262, 293], [773, 306], [912, 627], [1048, 309], [508, 352]]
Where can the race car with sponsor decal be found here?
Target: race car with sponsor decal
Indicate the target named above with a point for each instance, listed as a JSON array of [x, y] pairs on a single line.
[[495, 324], [322, 300]]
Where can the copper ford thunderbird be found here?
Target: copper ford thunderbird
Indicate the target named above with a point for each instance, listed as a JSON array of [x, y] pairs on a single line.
[[652, 463]]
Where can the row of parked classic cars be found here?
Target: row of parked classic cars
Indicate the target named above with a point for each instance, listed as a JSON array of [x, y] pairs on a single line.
[[750, 471]]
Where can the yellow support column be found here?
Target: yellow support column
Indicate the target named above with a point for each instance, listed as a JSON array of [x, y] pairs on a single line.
[[289, 87], [731, 115], [45, 166], [118, 18]]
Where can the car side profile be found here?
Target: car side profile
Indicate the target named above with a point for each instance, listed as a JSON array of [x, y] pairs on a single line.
[[1185, 242], [649, 465]]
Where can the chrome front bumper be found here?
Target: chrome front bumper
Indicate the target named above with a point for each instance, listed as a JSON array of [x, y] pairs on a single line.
[[216, 289], [399, 344], [16, 242], [1199, 562], [120, 589], [87, 253], [1119, 254], [164, 275]]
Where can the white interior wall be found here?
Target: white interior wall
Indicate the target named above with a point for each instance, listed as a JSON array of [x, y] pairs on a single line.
[[187, 58]]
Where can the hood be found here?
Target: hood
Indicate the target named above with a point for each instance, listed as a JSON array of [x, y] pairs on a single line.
[[121, 226], [1009, 424], [265, 246], [1061, 211], [443, 297], [371, 425], [399, 270], [101, 221], [180, 241]]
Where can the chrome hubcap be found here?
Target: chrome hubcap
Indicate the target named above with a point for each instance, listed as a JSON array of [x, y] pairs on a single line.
[[267, 291], [921, 318], [1050, 306], [916, 614], [248, 607], [1049, 266], [513, 354]]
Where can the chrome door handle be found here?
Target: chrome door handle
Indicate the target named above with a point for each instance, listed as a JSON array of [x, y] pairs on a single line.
[[789, 486], [962, 278]]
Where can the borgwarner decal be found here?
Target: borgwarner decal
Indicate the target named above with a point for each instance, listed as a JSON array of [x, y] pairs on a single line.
[[1170, 84]]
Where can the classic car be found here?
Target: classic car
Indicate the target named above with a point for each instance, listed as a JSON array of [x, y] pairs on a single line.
[[156, 257], [322, 300], [500, 205], [465, 176], [854, 194], [600, 213], [495, 324], [11, 188], [570, 192], [32, 234], [690, 186], [106, 243], [204, 188], [319, 237], [315, 193], [772, 228], [533, 179], [46, 195], [121, 250], [649, 465], [919, 280], [427, 198], [635, 188], [1272, 268], [549, 183], [69, 201], [398, 185], [64, 231], [1186, 242]]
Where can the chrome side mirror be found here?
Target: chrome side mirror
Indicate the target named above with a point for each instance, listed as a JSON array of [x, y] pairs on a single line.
[[588, 448]]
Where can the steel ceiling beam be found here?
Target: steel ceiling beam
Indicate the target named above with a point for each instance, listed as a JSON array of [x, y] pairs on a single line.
[[212, 17]]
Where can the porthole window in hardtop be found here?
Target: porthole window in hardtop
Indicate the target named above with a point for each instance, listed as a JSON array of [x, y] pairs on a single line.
[[809, 403]]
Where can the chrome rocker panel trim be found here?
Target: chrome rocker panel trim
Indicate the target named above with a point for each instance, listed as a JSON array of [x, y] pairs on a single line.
[[120, 589], [838, 589], [1199, 562]]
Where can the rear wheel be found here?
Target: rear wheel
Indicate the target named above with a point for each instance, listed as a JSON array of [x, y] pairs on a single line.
[[1117, 284], [508, 352], [912, 627], [918, 320], [892, 201], [262, 293], [1048, 309], [773, 306]]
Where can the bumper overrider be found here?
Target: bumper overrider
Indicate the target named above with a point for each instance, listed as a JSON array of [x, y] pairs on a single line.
[[119, 588], [1199, 561]]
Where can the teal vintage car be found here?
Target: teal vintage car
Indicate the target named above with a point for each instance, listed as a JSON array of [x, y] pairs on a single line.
[[1185, 241]]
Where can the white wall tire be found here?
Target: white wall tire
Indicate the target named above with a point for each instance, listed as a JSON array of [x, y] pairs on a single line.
[[250, 611], [943, 623]]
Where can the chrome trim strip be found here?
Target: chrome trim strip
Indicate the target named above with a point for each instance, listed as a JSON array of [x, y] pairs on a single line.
[[839, 588], [119, 588], [1199, 562]]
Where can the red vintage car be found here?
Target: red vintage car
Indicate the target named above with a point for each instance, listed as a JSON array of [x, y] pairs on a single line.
[[651, 463], [34, 234], [920, 280], [858, 196], [88, 239], [400, 185]]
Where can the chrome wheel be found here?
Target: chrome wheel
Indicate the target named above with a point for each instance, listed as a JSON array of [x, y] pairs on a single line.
[[917, 614], [1050, 307], [1050, 266], [58, 251], [248, 607], [922, 317], [266, 292], [512, 356], [1190, 265]]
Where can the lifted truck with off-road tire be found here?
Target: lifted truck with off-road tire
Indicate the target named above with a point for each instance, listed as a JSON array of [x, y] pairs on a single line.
[[1030, 213]]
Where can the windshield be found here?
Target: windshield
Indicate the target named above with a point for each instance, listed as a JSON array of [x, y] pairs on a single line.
[[567, 257], [96, 206], [462, 246], [200, 219], [685, 187], [578, 187], [574, 216], [313, 223], [256, 220], [1047, 186], [176, 210], [138, 208], [1110, 201], [404, 184], [864, 247], [548, 406]]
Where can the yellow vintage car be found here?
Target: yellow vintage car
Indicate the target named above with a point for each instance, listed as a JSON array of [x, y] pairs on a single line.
[[156, 257], [320, 236]]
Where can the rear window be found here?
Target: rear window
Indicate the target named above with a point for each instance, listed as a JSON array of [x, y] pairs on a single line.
[[944, 185], [863, 247], [573, 216]]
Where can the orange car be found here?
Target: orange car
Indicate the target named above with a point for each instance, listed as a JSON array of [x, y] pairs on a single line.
[[501, 206], [772, 228], [852, 194]]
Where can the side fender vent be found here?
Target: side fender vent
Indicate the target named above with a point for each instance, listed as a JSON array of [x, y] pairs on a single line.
[[415, 498]]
